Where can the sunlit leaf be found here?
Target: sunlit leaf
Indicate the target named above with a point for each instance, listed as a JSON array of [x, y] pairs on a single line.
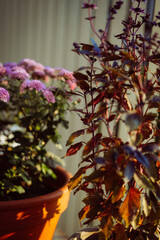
[[73, 136], [82, 214], [116, 196], [130, 206], [146, 205], [143, 181], [76, 179], [107, 228]]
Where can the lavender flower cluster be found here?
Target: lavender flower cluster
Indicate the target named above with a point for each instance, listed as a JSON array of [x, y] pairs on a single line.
[[31, 73]]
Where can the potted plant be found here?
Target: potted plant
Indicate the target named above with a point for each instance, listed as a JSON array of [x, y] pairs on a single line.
[[33, 188], [119, 171]]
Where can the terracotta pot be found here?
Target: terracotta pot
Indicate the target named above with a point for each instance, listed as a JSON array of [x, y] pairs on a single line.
[[35, 218]]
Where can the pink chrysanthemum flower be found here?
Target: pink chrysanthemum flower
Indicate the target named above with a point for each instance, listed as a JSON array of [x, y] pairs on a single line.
[[4, 95], [69, 78], [24, 85], [32, 84], [2, 71], [10, 64], [30, 64], [47, 93], [49, 71], [72, 84], [38, 74], [19, 73], [27, 63], [8, 71]]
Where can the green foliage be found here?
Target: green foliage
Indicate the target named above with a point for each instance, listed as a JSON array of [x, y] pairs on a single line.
[[29, 119]]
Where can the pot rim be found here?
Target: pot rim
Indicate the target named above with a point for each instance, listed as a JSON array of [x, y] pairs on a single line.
[[39, 200]]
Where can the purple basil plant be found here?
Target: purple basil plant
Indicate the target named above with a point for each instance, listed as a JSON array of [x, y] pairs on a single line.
[[120, 87], [33, 103]]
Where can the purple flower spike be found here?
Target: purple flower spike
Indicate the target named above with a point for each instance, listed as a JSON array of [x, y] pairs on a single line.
[[87, 5], [47, 93], [4, 95]]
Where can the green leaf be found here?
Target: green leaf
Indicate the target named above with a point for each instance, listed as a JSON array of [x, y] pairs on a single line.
[[19, 189], [48, 171]]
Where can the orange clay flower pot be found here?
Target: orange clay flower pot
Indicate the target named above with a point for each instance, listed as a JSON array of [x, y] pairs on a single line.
[[35, 218]]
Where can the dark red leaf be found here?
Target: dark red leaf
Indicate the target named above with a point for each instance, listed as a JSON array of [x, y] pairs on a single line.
[[91, 144], [80, 76], [83, 85], [73, 149], [97, 99]]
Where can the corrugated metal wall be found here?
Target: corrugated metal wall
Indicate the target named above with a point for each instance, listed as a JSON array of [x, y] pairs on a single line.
[[45, 31]]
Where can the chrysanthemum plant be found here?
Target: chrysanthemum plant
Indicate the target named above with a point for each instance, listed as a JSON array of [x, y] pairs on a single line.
[[119, 170], [33, 103]]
